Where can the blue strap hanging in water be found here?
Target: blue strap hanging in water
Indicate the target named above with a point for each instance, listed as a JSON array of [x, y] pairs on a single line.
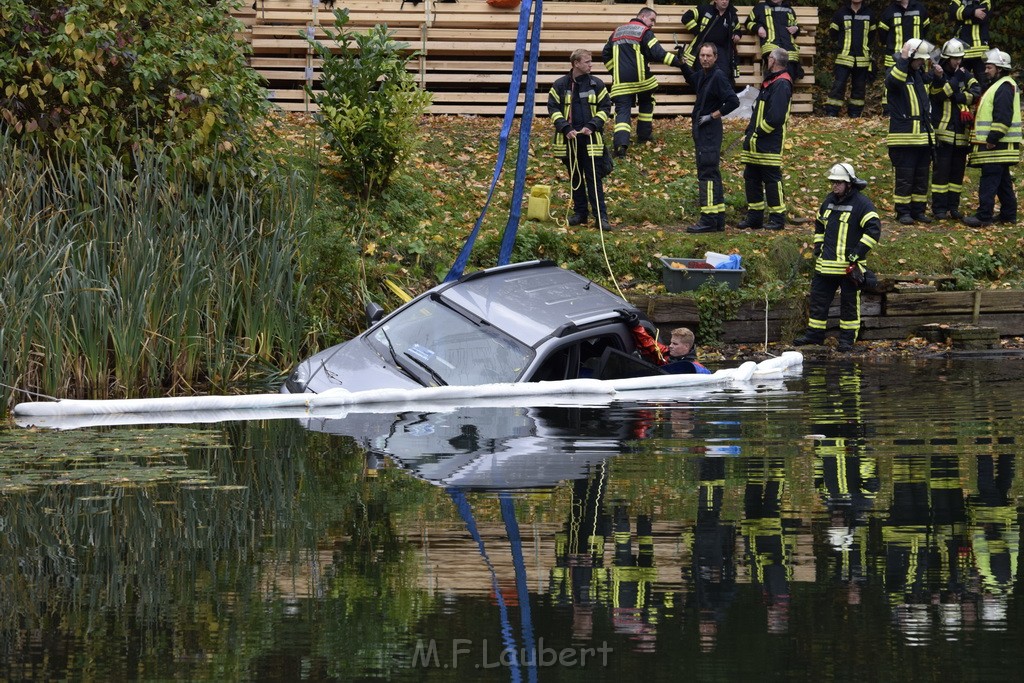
[[458, 497], [508, 239], [510, 109]]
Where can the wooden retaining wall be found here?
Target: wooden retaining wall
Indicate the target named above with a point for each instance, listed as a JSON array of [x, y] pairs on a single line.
[[892, 315], [465, 48]]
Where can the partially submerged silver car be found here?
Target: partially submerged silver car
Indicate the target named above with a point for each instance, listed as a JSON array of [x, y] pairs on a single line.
[[525, 322]]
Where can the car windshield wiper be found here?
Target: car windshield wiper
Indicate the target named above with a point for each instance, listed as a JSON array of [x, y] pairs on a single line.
[[394, 356], [423, 364]]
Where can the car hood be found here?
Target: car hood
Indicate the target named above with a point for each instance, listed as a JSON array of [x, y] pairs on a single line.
[[352, 365]]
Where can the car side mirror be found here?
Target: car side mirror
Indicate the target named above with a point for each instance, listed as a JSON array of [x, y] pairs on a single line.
[[374, 313]]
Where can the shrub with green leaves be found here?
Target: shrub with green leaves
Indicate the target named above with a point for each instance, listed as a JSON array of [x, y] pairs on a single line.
[[369, 104], [122, 76]]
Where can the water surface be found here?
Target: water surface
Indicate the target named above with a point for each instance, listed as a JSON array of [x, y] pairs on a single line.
[[859, 522]]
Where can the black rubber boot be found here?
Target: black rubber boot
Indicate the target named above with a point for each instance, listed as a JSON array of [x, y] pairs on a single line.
[[810, 338], [754, 220], [846, 341], [776, 221]]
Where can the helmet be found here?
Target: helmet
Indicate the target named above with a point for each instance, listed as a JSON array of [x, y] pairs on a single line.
[[919, 49], [843, 172], [998, 58], [953, 48]]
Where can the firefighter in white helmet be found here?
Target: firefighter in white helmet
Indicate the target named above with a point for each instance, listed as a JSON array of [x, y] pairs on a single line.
[[846, 229], [997, 143], [952, 95]]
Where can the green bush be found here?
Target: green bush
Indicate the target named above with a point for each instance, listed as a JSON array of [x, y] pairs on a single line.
[[123, 77], [370, 104]]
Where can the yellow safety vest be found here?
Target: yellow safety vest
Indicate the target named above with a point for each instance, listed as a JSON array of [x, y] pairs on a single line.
[[1007, 151]]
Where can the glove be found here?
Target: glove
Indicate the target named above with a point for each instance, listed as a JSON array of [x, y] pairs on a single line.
[[959, 97], [856, 275], [966, 116], [704, 119], [629, 317]]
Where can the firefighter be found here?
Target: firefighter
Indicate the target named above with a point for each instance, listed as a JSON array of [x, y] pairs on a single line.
[[846, 229], [579, 106], [851, 29], [952, 95], [718, 23], [715, 98], [762, 147], [972, 16], [910, 137], [628, 54], [899, 22], [997, 143], [774, 22]]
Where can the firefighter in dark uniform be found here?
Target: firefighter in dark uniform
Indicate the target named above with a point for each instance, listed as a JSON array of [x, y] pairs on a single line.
[[997, 143], [774, 22], [898, 23], [579, 106], [715, 98], [972, 17], [952, 95], [910, 136], [628, 54], [846, 229], [762, 147], [851, 29], [718, 23]]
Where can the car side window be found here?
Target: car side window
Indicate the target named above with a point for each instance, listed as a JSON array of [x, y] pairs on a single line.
[[575, 359]]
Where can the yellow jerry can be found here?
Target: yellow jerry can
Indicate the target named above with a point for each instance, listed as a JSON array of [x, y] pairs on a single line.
[[539, 206]]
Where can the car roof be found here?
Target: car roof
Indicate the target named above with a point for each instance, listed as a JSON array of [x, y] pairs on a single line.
[[532, 301]]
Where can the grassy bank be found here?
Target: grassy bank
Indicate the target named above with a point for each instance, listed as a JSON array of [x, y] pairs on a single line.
[[414, 232]]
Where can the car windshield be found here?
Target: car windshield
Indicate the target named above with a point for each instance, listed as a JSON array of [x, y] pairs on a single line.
[[450, 348]]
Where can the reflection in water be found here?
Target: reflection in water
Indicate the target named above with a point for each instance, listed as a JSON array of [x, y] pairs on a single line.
[[863, 522]]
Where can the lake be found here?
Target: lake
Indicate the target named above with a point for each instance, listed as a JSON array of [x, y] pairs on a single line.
[[860, 521]]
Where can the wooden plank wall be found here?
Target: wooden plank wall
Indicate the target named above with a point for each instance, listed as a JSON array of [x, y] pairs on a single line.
[[892, 315], [466, 48]]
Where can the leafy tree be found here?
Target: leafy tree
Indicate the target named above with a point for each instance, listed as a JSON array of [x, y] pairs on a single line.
[[370, 104], [123, 76]]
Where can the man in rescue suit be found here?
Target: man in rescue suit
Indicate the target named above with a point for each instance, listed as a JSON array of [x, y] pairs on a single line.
[[718, 23], [762, 147], [846, 229], [579, 105], [715, 98], [952, 95], [851, 29], [997, 143], [899, 22], [627, 55], [972, 17], [910, 137], [774, 22]]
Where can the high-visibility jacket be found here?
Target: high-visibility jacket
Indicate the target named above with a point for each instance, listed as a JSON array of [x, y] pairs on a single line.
[[845, 230], [575, 103], [628, 54], [898, 24], [998, 123], [775, 20], [973, 31], [708, 26], [852, 31], [909, 111], [951, 95], [766, 132]]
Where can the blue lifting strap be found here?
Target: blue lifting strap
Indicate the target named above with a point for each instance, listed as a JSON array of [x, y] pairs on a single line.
[[510, 109], [515, 542]]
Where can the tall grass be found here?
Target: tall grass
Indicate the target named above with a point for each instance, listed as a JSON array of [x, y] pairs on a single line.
[[121, 282]]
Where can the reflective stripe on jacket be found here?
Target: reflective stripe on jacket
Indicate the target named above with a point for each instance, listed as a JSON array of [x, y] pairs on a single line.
[[597, 111], [845, 230], [766, 132], [999, 123], [628, 54], [909, 111]]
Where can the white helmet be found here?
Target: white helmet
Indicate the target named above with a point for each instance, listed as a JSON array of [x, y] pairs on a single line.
[[998, 58], [953, 48], [842, 171], [919, 49]]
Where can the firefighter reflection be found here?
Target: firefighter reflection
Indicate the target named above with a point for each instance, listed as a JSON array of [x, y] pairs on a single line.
[[845, 476], [923, 536], [581, 579], [769, 544], [714, 563], [995, 535]]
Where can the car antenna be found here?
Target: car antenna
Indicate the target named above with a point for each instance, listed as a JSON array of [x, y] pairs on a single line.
[[587, 286]]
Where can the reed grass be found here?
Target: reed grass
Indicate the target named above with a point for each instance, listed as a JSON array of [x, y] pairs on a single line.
[[123, 282]]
